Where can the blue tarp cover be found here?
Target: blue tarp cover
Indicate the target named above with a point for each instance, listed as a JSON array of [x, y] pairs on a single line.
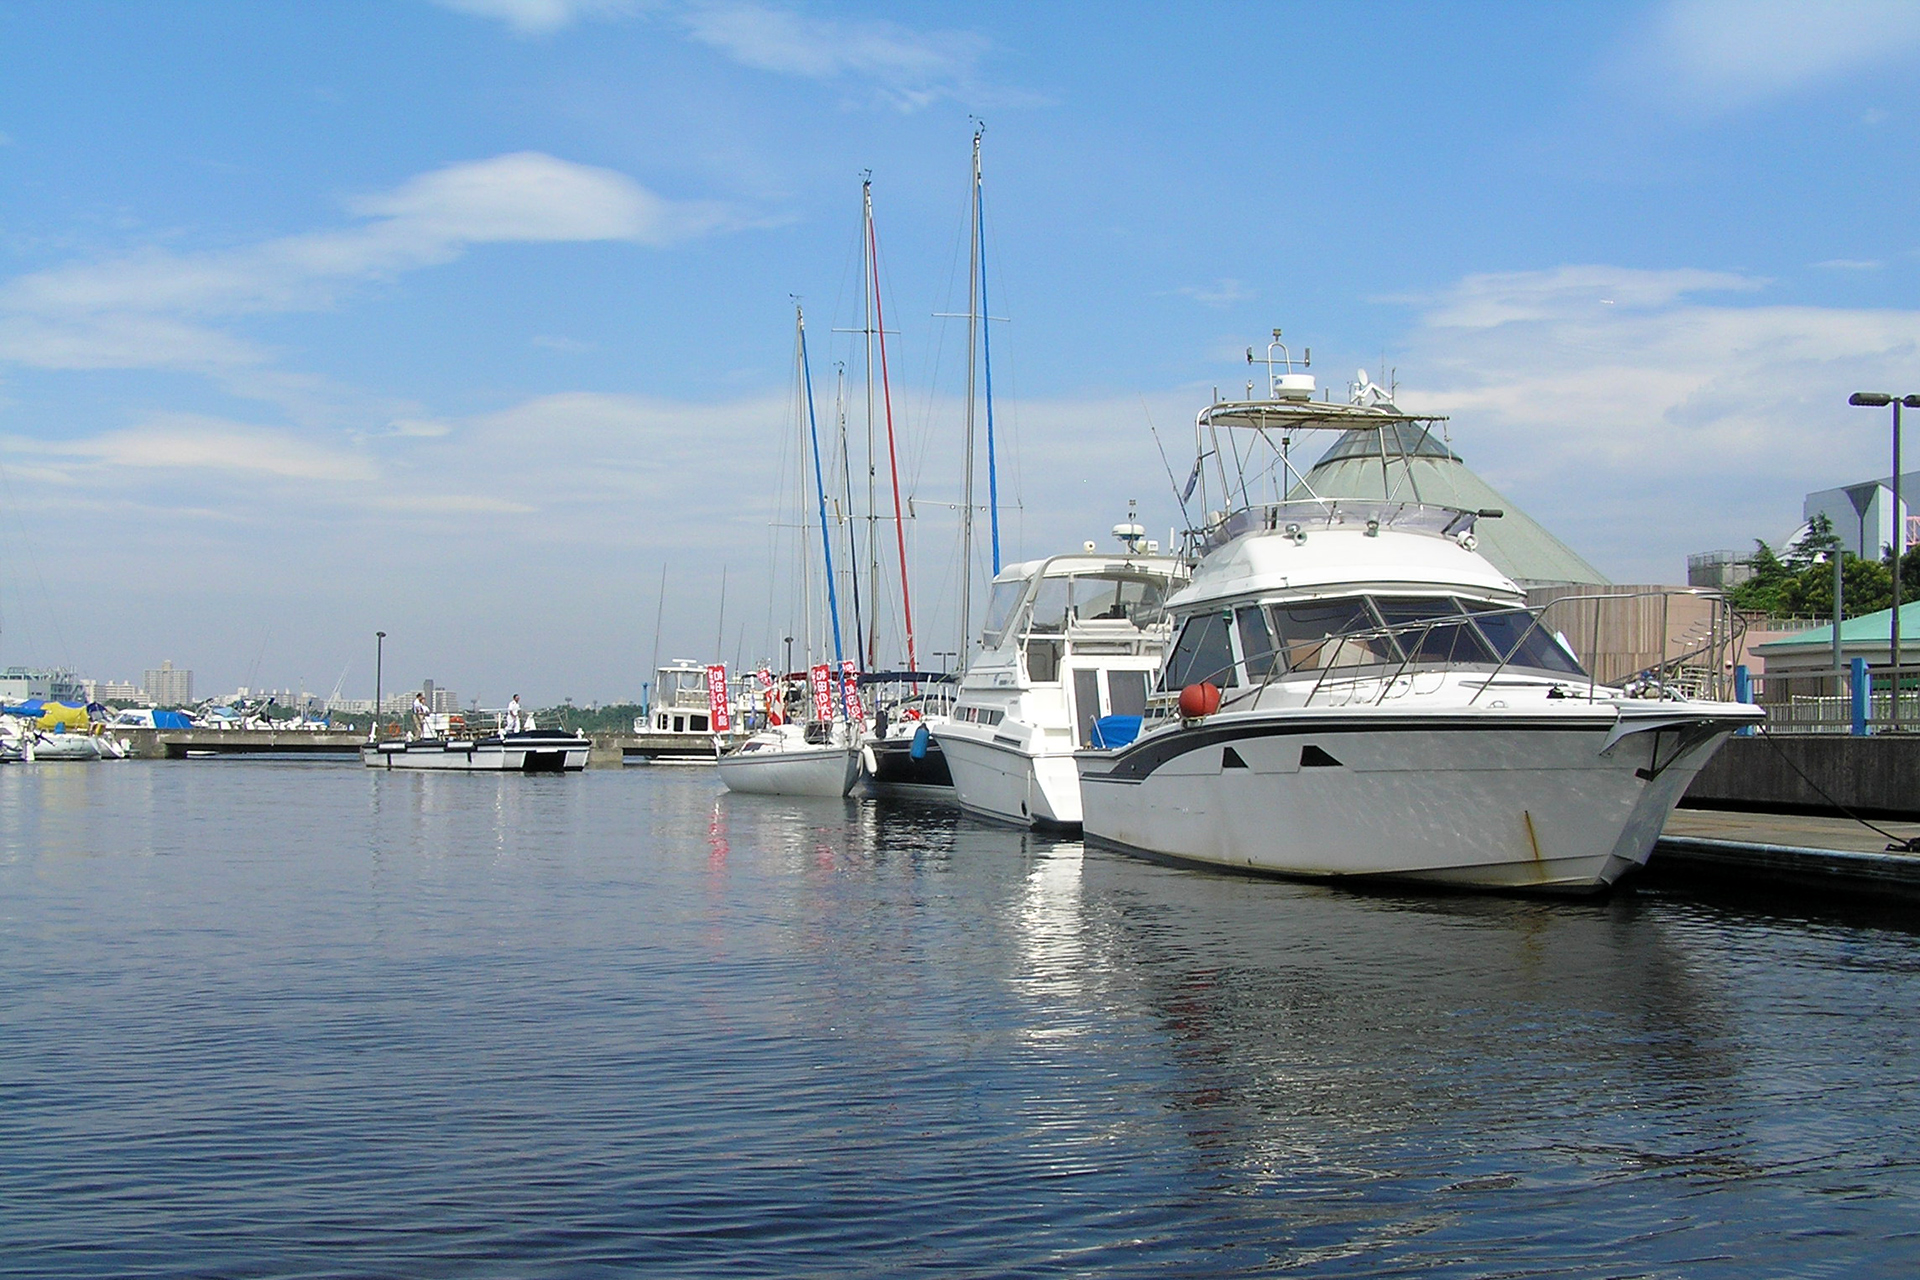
[[1115, 731], [171, 720]]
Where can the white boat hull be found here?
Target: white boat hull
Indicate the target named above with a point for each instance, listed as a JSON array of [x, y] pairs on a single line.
[[1482, 802], [795, 771], [996, 778], [513, 753]]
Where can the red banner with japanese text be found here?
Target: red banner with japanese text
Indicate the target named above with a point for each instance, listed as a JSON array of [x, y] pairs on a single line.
[[768, 699], [820, 677], [717, 708], [850, 692]]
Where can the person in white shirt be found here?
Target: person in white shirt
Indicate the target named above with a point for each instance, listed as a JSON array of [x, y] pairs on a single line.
[[513, 715], [422, 716]]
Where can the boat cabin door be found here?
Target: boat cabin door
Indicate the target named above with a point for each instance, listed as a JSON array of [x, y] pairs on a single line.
[[1098, 693]]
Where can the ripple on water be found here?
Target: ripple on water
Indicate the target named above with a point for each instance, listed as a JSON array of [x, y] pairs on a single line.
[[268, 1019]]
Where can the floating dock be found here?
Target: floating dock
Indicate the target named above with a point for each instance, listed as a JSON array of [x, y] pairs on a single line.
[[1786, 852]]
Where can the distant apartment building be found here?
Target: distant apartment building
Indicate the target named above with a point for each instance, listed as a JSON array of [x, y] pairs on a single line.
[[168, 686], [441, 700], [113, 691]]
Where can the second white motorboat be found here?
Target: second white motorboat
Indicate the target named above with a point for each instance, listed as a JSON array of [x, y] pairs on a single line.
[[1068, 642]]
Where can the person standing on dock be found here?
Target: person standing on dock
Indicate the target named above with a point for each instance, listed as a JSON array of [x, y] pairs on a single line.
[[422, 716], [513, 715]]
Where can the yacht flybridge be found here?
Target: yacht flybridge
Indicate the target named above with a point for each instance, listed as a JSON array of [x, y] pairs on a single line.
[[1068, 642], [1355, 692]]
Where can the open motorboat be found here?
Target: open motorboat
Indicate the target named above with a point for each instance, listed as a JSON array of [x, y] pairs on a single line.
[[452, 745], [1068, 641], [1356, 692]]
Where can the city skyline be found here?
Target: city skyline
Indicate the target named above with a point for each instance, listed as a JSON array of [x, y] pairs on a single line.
[[460, 321]]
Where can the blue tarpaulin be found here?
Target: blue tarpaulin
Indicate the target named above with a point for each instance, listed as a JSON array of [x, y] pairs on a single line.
[[171, 720], [1115, 731]]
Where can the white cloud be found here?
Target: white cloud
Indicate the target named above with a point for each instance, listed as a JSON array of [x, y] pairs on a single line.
[[1722, 55], [540, 17], [192, 442], [1221, 293], [526, 197], [1642, 432], [1851, 264], [911, 68]]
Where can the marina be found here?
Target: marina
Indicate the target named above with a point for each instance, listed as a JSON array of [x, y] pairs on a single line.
[[726, 639]]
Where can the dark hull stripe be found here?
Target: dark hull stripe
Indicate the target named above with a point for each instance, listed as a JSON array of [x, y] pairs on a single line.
[[1139, 761]]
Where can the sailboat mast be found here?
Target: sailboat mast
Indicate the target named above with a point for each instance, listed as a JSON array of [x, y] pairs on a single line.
[[893, 457], [820, 489], [986, 350], [846, 494], [966, 495], [872, 291]]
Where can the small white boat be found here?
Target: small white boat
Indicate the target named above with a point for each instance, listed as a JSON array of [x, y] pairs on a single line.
[[815, 759], [527, 751]]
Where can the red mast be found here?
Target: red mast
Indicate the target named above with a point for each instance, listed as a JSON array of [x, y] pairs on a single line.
[[893, 465]]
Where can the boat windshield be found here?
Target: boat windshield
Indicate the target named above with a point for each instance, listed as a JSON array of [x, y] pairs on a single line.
[[1112, 595], [1000, 606], [1520, 640], [1361, 631], [1202, 653]]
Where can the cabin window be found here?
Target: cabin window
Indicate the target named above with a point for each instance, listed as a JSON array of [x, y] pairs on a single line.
[[679, 724], [1043, 660], [1126, 693], [1203, 652], [1329, 633], [1117, 597], [1086, 704], [1256, 642], [697, 723], [1517, 636], [1433, 630], [1000, 606]]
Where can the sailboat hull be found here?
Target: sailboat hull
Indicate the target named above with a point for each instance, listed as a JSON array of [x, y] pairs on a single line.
[[797, 771]]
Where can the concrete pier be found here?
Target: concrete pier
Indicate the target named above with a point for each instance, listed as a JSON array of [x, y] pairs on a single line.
[[1876, 776]]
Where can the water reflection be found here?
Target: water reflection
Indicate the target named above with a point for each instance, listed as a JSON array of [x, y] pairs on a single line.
[[625, 1022]]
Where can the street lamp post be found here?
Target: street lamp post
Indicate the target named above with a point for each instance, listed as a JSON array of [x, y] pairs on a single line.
[[1878, 399], [379, 644]]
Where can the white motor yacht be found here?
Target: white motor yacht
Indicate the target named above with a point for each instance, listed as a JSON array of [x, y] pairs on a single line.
[[1068, 641], [1356, 692]]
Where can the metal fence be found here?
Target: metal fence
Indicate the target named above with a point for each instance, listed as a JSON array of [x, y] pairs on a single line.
[[1855, 700]]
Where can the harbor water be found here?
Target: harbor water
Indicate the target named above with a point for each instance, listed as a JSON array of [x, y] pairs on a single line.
[[298, 1018]]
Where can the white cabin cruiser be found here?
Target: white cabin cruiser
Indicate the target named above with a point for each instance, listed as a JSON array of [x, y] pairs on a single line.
[[1068, 641], [1355, 692]]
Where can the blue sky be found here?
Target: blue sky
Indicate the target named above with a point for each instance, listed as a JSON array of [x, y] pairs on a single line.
[[459, 320]]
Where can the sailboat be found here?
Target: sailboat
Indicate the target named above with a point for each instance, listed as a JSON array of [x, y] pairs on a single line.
[[820, 754]]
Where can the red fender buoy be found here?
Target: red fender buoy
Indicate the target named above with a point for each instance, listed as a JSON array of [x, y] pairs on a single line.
[[1197, 700]]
